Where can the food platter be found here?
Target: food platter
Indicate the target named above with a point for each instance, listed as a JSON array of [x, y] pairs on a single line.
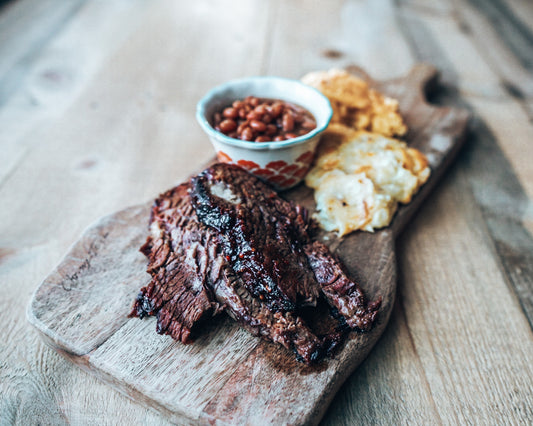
[[81, 309]]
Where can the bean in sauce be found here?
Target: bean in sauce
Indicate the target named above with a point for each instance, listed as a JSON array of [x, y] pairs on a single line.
[[263, 120]]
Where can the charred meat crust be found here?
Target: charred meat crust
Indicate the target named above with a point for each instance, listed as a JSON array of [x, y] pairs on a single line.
[[255, 316], [192, 281], [343, 294], [259, 232], [227, 241]]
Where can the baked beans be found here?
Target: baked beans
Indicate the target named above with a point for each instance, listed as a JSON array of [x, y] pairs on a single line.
[[263, 120]]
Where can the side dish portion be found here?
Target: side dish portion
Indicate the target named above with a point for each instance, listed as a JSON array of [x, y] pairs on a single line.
[[263, 120], [355, 105], [226, 241], [359, 178], [361, 172]]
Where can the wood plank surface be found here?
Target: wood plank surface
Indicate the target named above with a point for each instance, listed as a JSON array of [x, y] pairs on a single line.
[[101, 117]]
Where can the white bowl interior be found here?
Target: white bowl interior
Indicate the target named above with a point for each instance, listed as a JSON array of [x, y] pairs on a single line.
[[269, 87]]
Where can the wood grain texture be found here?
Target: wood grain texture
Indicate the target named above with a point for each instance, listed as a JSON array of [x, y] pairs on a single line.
[[102, 117], [492, 179], [463, 67], [227, 375]]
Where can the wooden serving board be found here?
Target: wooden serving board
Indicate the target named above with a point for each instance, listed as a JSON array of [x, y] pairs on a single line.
[[227, 376]]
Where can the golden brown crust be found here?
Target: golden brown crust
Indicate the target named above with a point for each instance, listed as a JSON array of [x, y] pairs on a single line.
[[355, 105]]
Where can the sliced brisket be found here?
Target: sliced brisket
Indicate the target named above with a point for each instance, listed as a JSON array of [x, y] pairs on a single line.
[[266, 240], [192, 281], [341, 293], [178, 263], [259, 233], [226, 240], [255, 316]]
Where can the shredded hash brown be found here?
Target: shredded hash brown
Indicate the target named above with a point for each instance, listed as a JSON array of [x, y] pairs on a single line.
[[355, 105]]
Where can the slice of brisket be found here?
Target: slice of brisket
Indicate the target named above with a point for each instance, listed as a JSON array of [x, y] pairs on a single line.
[[255, 316], [178, 263], [259, 233], [343, 294]]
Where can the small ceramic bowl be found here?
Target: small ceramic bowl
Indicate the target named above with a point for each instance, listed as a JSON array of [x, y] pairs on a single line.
[[282, 164]]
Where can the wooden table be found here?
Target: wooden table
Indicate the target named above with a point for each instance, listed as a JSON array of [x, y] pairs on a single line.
[[97, 104]]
